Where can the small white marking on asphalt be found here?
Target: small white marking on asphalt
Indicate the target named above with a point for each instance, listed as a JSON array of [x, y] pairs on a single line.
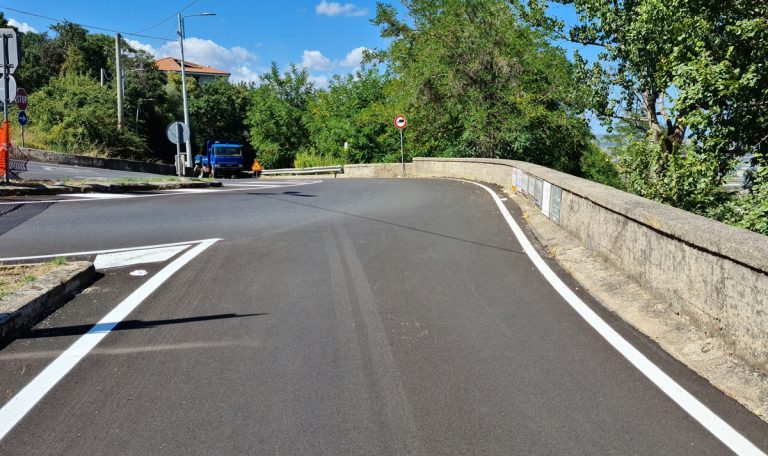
[[139, 273], [141, 256], [706, 417], [15, 409], [96, 252]]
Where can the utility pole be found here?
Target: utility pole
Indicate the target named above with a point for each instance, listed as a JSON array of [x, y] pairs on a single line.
[[184, 91], [119, 81], [101, 73], [6, 100]]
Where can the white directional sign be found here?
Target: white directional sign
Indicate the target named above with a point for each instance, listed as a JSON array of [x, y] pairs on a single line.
[[11, 90], [13, 50], [173, 132]]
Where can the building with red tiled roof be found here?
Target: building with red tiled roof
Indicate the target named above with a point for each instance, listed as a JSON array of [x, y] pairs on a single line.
[[201, 73]]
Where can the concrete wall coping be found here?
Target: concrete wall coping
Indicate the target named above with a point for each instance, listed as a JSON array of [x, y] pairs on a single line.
[[739, 245]]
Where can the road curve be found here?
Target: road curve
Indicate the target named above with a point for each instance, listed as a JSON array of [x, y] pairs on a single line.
[[339, 317]]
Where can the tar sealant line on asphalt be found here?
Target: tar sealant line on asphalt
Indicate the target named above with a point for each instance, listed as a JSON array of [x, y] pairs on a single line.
[[15, 409], [701, 413], [98, 252]]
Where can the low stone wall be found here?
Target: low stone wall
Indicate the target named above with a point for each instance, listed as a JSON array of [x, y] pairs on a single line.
[[376, 170], [711, 272], [98, 162]]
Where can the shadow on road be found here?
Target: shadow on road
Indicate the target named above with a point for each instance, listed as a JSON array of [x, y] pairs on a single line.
[[274, 196], [78, 330], [12, 216]]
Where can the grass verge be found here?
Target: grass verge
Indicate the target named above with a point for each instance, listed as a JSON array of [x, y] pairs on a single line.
[[14, 277]]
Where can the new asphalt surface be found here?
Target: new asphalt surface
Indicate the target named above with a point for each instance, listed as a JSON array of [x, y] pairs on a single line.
[[335, 317]]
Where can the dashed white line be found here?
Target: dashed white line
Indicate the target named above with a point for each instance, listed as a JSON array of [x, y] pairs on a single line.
[[15, 409], [706, 417]]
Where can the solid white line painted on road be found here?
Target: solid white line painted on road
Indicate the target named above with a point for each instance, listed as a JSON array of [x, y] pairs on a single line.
[[127, 258], [15, 409], [97, 252], [706, 417]]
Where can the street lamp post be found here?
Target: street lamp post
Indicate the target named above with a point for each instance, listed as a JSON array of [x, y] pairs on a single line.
[[184, 83], [138, 105]]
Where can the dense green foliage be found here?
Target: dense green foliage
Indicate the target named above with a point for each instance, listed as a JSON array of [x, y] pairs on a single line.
[[353, 110], [73, 111], [276, 119], [218, 110], [475, 81], [692, 76]]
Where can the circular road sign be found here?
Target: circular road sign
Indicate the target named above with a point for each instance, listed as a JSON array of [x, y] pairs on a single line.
[[23, 119], [21, 98], [173, 132], [11, 90], [400, 121]]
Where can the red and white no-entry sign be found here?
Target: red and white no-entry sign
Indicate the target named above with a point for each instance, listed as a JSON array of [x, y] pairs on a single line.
[[21, 98], [400, 121]]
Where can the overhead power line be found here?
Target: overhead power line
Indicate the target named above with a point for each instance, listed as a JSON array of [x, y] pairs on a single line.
[[92, 27], [172, 16]]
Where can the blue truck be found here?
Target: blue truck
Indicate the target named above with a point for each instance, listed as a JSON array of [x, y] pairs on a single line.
[[221, 158]]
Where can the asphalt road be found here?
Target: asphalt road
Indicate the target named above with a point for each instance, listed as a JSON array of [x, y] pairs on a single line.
[[335, 317], [52, 171]]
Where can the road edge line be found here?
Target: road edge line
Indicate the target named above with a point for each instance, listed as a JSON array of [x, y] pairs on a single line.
[[16, 408], [695, 408]]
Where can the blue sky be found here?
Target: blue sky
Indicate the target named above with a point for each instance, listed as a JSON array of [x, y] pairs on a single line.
[[243, 38]]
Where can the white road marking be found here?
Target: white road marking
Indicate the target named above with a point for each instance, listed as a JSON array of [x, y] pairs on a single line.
[[101, 195], [85, 197], [127, 258], [97, 252], [15, 409], [706, 417]]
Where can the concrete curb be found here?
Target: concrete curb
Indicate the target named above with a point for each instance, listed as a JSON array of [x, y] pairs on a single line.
[[21, 310], [102, 188]]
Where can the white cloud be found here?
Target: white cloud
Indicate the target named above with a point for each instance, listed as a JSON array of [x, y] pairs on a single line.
[[238, 61], [353, 58], [22, 26], [337, 9], [316, 61], [319, 81]]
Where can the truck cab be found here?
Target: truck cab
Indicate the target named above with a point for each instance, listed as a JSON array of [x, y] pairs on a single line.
[[221, 158]]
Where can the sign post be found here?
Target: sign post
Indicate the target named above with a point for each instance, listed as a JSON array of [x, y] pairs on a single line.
[[21, 102], [10, 60], [177, 133], [400, 124]]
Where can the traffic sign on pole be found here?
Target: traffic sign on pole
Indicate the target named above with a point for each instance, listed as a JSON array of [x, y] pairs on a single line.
[[13, 49], [11, 90], [173, 132], [23, 119], [400, 121], [21, 98]]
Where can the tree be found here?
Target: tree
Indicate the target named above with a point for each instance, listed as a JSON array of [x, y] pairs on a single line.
[[218, 110], [691, 74], [475, 81], [276, 116], [352, 110], [75, 114]]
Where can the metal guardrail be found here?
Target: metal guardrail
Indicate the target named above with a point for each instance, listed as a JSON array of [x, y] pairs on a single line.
[[296, 171]]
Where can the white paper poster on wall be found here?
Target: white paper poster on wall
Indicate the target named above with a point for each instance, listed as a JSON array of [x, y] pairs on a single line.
[[545, 198]]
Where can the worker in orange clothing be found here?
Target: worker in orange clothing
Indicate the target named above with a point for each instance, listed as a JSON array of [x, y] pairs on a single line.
[[256, 168]]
